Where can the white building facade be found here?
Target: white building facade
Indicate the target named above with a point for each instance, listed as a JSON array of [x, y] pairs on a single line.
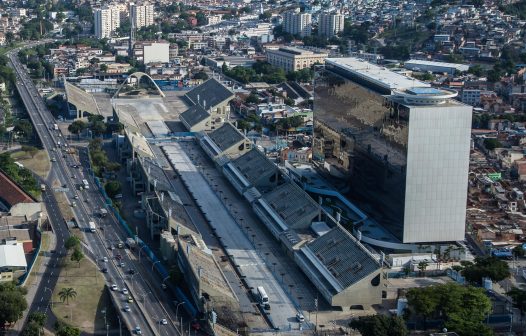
[[330, 24], [141, 15], [295, 22], [106, 21]]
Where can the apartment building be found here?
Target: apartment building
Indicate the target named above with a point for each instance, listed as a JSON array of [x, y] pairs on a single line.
[[141, 14], [107, 20], [330, 24], [295, 22]]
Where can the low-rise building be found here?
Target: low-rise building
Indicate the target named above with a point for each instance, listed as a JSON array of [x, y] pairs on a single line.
[[294, 59]]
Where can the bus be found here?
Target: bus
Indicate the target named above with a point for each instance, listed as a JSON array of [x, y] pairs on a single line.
[[85, 184], [262, 295]]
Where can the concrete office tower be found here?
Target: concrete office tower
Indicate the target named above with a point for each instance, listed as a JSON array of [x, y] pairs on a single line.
[[330, 24], [405, 147], [295, 22], [141, 14], [107, 20]]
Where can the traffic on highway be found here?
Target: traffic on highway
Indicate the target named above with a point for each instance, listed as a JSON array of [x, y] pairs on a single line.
[[135, 289]]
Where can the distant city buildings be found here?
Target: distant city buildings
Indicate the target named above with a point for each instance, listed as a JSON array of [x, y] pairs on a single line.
[[141, 15], [295, 22], [106, 21], [330, 24], [294, 59]]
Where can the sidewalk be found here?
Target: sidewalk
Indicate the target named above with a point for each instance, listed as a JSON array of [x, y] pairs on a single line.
[[33, 282]]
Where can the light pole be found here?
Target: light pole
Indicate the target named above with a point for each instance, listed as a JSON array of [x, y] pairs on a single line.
[[158, 261], [140, 252], [177, 311], [120, 326], [105, 321]]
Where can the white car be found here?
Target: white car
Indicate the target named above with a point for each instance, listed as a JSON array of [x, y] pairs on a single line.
[[114, 287], [127, 308], [164, 322], [124, 291], [105, 259], [138, 330], [300, 317]]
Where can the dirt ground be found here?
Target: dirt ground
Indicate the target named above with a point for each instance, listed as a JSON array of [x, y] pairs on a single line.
[[39, 164]]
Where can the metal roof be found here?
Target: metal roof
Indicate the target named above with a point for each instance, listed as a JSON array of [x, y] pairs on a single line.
[[373, 73], [226, 136], [209, 94], [194, 115], [12, 256]]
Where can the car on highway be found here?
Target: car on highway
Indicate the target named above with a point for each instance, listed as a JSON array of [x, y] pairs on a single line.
[[300, 318], [105, 259], [114, 287], [121, 264], [138, 330], [76, 197], [53, 160], [104, 270], [164, 322], [127, 308], [124, 291], [131, 271], [130, 299]]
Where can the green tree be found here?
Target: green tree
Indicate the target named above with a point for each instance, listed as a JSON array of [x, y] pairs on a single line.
[[201, 75], [24, 128], [72, 242], [98, 127], [103, 67], [476, 70], [252, 99], [518, 251], [77, 255], [13, 302], [113, 188], [380, 325], [491, 143], [519, 299], [77, 127], [462, 308], [422, 266], [67, 293], [424, 302], [35, 324], [66, 330], [31, 150], [486, 267]]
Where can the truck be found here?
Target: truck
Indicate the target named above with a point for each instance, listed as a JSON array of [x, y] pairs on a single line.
[[103, 212], [42, 187], [130, 242], [92, 227], [262, 296]]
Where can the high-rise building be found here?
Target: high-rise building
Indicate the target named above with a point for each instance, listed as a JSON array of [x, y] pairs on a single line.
[[141, 14], [402, 145], [107, 20], [330, 24], [295, 22]]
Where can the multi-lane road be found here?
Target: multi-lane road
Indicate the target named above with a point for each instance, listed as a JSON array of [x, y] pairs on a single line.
[[146, 310]]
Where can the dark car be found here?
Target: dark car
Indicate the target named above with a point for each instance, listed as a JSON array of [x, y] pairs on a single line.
[[104, 270], [131, 271]]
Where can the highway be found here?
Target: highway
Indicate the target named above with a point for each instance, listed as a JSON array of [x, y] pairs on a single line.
[[147, 310]]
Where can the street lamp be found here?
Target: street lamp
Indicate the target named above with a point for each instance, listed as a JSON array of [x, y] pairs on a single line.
[[158, 261], [177, 311], [140, 252]]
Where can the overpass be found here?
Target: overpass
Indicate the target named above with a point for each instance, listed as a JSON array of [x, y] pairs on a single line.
[[81, 100]]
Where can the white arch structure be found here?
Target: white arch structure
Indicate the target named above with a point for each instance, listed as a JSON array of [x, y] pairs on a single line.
[[138, 75]]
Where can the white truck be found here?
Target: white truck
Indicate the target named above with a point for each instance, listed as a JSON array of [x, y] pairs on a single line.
[[103, 212], [92, 227]]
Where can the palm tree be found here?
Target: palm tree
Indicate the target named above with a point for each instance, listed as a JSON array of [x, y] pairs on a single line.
[[67, 293], [422, 266]]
